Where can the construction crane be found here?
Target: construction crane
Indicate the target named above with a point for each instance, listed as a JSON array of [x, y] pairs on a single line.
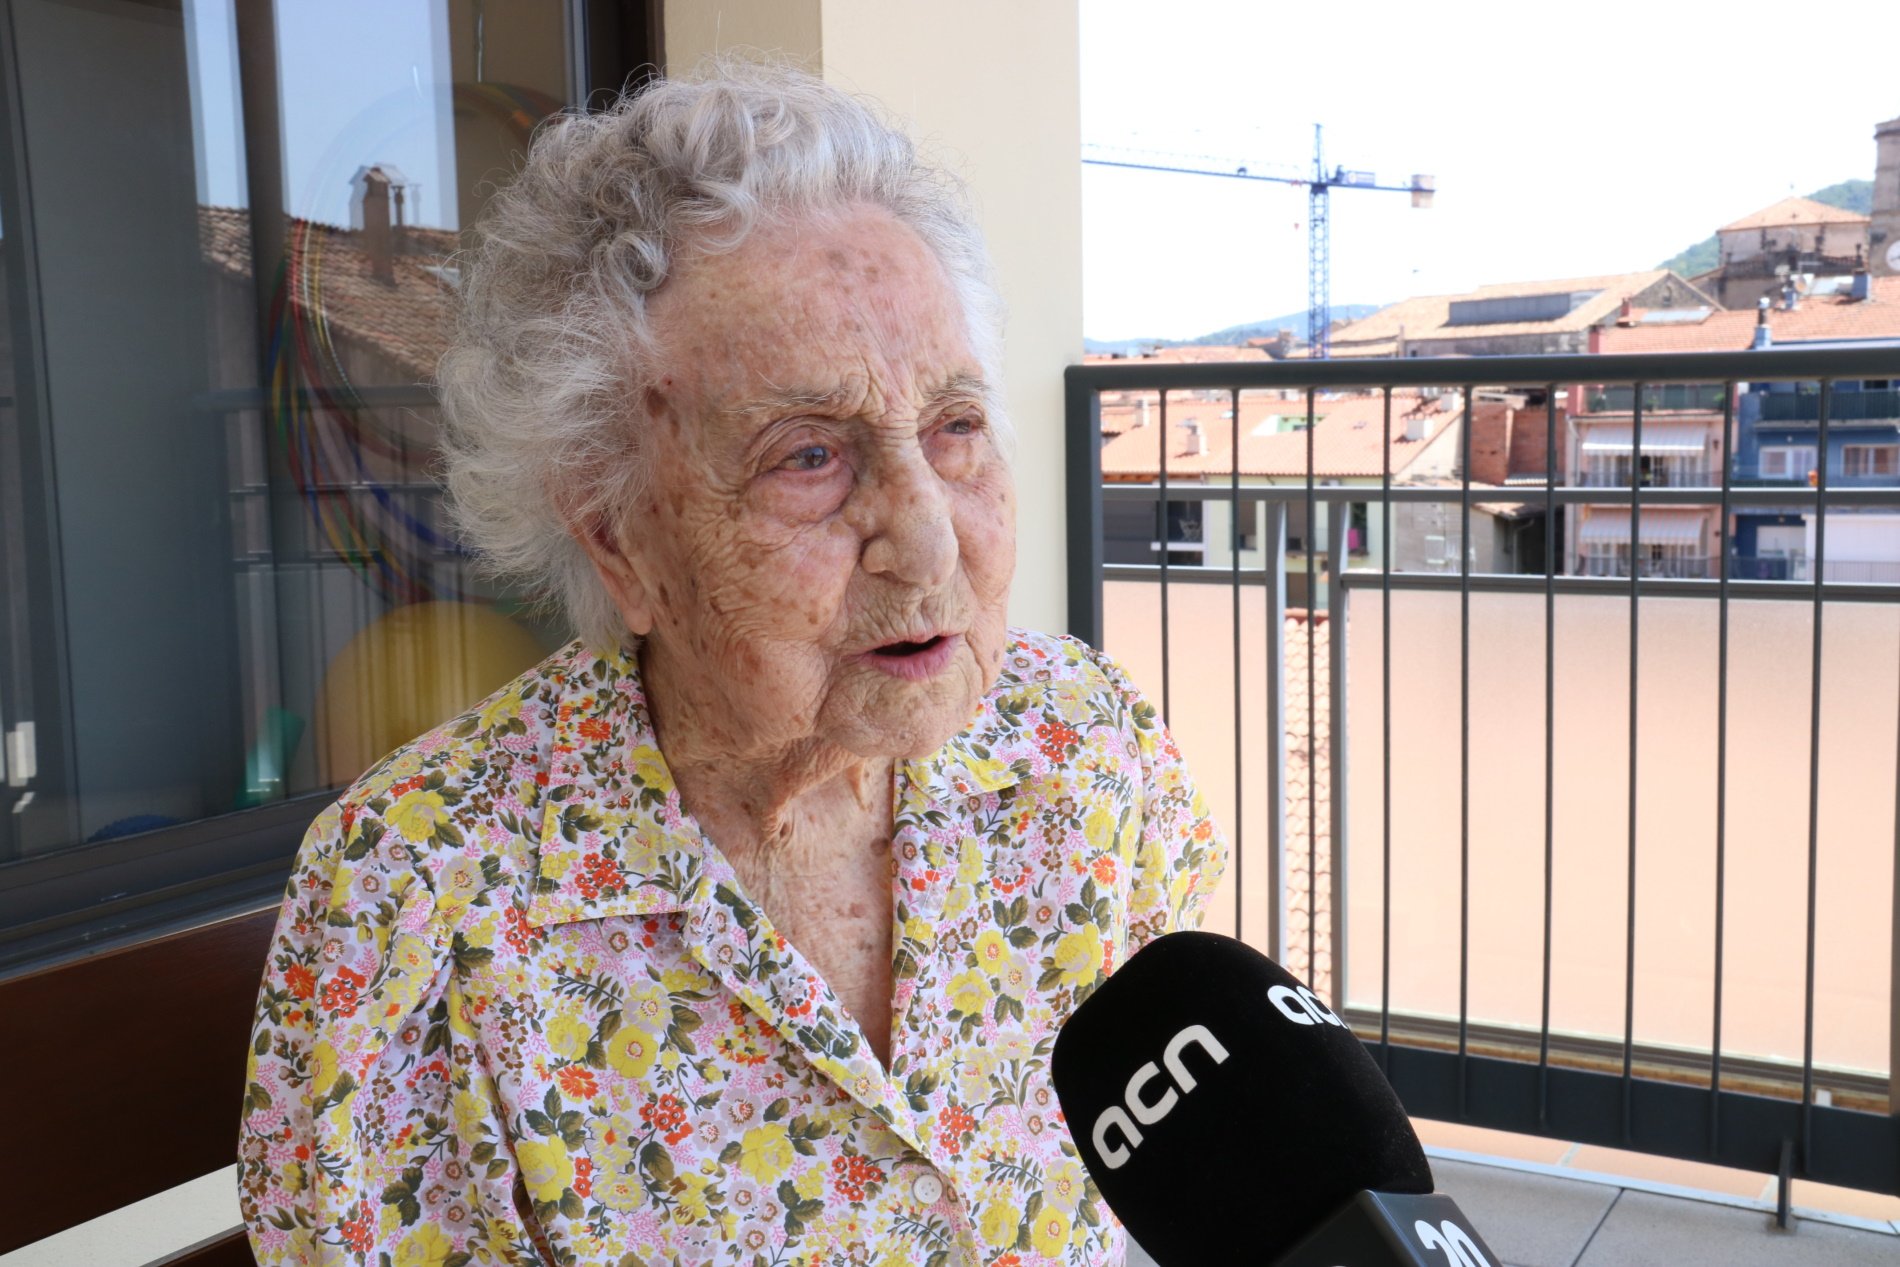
[[1319, 186]]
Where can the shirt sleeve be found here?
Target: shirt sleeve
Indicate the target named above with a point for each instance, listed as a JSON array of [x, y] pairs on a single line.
[[1182, 854], [370, 1135]]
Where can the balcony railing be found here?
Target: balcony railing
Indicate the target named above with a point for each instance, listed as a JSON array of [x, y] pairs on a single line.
[[1664, 476], [1602, 399], [1373, 843], [1852, 406], [1673, 569]]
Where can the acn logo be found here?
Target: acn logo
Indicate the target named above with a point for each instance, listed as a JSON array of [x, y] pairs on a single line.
[[1302, 1006], [1148, 1112]]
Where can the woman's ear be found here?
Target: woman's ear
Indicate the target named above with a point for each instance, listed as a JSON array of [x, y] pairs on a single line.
[[619, 571]]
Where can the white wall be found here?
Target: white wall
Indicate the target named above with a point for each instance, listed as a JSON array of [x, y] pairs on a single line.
[[992, 90]]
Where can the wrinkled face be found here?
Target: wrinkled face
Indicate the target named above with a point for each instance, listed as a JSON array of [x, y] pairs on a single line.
[[826, 546]]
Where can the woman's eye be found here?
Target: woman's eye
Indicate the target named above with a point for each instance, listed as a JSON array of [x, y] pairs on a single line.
[[813, 457], [969, 424]]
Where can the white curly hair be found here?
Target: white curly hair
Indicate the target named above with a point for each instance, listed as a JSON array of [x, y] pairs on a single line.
[[553, 340]]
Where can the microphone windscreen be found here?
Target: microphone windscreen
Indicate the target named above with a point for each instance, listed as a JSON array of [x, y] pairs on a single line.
[[1221, 1108]]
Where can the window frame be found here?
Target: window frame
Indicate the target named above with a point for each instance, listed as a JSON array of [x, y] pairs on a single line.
[[83, 897]]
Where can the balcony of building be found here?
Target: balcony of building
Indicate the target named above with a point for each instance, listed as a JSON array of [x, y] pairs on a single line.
[[1599, 864]]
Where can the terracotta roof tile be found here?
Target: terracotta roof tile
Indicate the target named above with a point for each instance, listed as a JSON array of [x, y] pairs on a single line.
[[1794, 211], [405, 320], [1829, 317], [1349, 439], [1424, 317]]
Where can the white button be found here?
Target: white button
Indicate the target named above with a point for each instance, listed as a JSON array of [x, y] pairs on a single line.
[[928, 1189]]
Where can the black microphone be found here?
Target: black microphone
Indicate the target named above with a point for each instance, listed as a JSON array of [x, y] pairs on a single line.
[[1228, 1116]]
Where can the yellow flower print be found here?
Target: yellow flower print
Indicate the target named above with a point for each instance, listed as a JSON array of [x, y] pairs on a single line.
[[567, 1035], [546, 1168], [415, 815], [765, 1154], [970, 992], [471, 1115], [1064, 1184], [1049, 1231], [504, 707], [992, 948], [691, 977], [649, 768], [1000, 1219], [631, 1051], [970, 860], [323, 1068], [1078, 955], [916, 928], [620, 1191], [810, 1183], [693, 1207], [424, 1246]]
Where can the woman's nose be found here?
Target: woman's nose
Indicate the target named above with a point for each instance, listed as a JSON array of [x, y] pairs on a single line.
[[910, 535]]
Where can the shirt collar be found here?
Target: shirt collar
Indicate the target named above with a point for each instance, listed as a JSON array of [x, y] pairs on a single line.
[[614, 838]]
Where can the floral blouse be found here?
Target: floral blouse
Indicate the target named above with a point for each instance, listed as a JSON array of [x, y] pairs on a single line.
[[519, 1009]]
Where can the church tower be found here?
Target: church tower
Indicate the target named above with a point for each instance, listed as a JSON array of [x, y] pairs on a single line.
[[1883, 235]]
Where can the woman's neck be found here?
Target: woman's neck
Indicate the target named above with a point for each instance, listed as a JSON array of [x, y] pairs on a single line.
[[791, 805]]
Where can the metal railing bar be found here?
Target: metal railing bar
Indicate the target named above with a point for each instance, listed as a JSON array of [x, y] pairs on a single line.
[[1385, 738], [1550, 747], [1785, 364], [1721, 767], [1083, 420], [1339, 531], [1814, 782], [1464, 764], [1312, 698], [1746, 497], [1240, 780], [1511, 583], [1273, 674], [1167, 711], [1629, 904]]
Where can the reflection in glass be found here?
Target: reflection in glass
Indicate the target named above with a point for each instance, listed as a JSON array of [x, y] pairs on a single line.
[[229, 241]]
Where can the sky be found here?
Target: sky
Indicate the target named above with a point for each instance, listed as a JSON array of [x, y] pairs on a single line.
[[359, 82], [1566, 141]]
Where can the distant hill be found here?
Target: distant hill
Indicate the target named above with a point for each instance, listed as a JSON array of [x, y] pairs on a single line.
[[1848, 195], [1234, 335]]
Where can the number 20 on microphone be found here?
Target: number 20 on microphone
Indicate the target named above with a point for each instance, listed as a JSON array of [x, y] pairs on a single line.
[[1453, 1241]]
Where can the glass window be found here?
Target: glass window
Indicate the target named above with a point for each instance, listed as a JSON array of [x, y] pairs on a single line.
[[228, 234], [1870, 459]]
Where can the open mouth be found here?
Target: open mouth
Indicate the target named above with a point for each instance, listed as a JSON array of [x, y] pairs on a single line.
[[910, 648]]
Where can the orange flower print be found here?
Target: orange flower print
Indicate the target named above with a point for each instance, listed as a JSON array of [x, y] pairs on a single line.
[[1055, 740], [341, 992], [595, 730], [300, 981], [577, 1082]]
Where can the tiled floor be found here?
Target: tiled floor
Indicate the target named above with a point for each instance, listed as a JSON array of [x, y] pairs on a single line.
[[1540, 1220], [1533, 1219]]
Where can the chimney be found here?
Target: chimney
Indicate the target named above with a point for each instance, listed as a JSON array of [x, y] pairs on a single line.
[[1415, 422], [1196, 439], [376, 213], [1764, 337], [1623, 317], [1861, 289], [1141, 412]]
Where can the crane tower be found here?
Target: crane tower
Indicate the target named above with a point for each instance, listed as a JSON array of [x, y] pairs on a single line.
[[1319, 186]]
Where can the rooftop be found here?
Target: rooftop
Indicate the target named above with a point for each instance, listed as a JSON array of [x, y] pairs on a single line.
[[1794, 211], [1430, 316], [1349, 438], [1824, 317]]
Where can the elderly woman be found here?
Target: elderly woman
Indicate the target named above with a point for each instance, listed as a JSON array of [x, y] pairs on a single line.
[[741, 929]]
